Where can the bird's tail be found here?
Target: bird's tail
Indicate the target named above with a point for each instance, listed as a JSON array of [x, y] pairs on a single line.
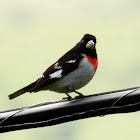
[[22, 91]]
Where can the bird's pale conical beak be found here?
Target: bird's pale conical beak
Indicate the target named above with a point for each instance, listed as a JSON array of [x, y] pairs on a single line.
[[90, 44]]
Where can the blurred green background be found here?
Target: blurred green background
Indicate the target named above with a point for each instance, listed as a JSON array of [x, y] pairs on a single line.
[[35, 33]]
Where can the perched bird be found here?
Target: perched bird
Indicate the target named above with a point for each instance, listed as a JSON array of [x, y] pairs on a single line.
[[71, 72]]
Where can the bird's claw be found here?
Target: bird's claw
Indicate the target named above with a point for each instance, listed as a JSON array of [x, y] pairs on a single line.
[[79, 97], [67, 99]]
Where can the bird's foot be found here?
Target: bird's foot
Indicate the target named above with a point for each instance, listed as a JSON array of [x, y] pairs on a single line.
[[80, 96], [67, 99]]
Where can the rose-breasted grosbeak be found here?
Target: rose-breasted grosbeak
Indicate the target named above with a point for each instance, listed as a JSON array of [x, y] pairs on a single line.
[[71, 72]]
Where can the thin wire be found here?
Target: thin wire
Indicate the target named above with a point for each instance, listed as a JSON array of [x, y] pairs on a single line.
[[46, 103], [13, 114], [120, 98]]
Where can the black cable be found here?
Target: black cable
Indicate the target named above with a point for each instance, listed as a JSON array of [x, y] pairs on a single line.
[[52, 113]]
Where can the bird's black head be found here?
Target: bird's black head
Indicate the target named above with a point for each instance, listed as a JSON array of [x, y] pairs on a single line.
[[88, 43], [88, 38]]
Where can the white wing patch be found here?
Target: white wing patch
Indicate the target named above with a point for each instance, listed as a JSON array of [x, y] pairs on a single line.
[[71, 61], [57, 74], [56, 66]]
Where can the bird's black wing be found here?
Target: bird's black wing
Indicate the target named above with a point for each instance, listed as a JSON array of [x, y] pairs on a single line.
[[65, 65]]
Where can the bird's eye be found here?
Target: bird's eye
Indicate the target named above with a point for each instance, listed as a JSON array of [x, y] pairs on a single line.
[[82, 41]]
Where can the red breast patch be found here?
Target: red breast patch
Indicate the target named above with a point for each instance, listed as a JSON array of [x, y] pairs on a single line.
[[93, 61]]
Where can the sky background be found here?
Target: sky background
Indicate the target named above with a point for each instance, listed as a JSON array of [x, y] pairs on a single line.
[[35, 33]]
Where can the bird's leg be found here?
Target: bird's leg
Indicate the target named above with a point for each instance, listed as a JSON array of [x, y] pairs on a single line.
[[80, 94], [67, 98]]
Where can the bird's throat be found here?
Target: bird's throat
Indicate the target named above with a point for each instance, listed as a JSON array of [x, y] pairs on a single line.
[[93, 61]]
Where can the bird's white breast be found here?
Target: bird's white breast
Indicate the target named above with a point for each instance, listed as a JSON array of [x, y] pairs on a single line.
[[74, 80]]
